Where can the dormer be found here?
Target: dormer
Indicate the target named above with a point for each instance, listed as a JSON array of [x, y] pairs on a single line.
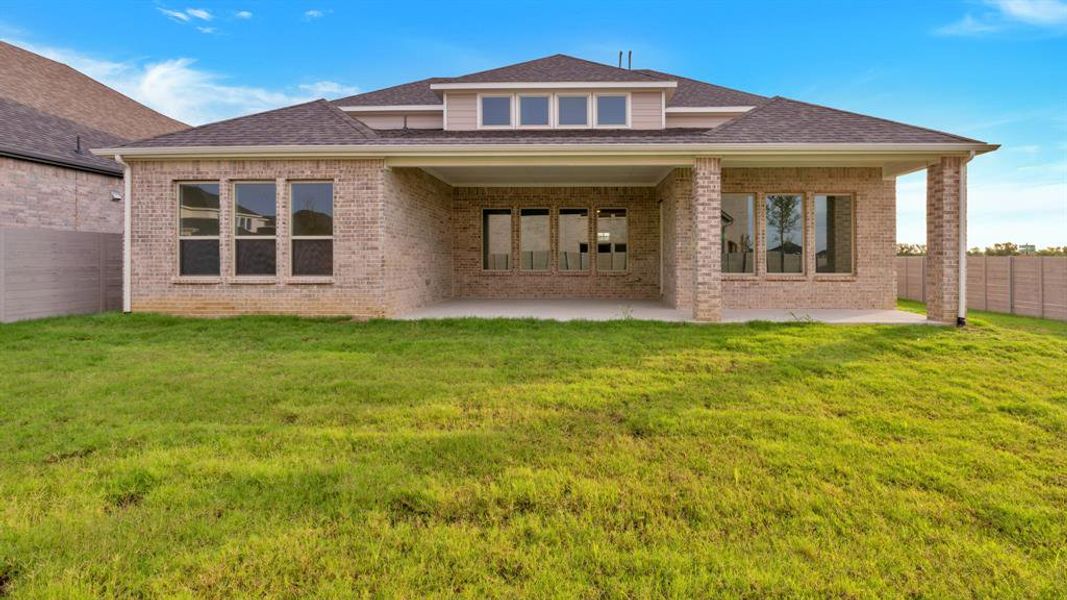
[[555, 105]]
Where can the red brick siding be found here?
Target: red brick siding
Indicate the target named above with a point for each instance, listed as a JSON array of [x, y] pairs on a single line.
[[418, 240], [942, 239], [675, 193]]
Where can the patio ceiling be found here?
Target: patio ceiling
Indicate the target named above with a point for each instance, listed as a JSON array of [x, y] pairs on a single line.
[[495, 176]]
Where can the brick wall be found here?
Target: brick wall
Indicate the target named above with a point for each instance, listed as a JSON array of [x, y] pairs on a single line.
[[356, 287], [37, 195], [639, 281], [675, 194], [418, 239], [873, 285], [942, 238]]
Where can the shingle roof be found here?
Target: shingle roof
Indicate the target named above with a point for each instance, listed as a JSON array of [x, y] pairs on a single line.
[[693, 93], [57, 89], [558, 67], [26, 132], [784, 121], [313, 123], [414, 93]]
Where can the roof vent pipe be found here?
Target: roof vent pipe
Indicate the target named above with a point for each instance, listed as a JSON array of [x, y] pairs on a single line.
[[78, 144], [630, 59], [620, 59]]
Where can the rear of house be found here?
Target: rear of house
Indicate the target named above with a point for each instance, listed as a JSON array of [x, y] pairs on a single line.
[[554, 178]]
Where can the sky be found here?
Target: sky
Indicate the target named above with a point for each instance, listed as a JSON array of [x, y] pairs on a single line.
[[995, 70]]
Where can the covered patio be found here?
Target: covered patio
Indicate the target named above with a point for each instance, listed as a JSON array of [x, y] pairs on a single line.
[[645, 310]]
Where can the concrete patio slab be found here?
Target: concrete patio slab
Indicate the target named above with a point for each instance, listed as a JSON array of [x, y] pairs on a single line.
[[644, 310]]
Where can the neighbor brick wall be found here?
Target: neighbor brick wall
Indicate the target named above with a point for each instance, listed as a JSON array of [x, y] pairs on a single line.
[[356, 287], [640, 281], [675, 195], [942, 239], [872, 286], [38, 195], [418, 240]]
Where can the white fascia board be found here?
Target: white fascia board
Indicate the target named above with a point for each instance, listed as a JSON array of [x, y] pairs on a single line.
[[396, 108], [555, 85], [708, 110], [689, 148]]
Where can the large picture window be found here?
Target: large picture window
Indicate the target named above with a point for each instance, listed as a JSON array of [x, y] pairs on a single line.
[[255, 216], [496, 239], [785, 233], [198, 229], [574, 239], [311, 210], [534, 239], [611, 239], [833, 234], [738, 233]]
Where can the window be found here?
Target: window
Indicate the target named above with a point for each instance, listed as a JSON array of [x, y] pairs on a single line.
[[311, 207], [610, 110], [738, 233], [833, 234], [496, 239], [611, 236], [496, 111], [573, 111], [785, 233], [573, 239], [533, 111], [198, 229], [255, 217], [534, 224]]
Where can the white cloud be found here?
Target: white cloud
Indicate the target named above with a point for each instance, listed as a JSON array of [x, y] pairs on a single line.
[[177, 88], [328, 89], [199, 13], [174, 14], [1034, 12], [243, 14], [313, 14], [208, 30], [1002, 14]]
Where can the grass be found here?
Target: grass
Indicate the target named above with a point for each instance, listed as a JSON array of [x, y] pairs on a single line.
[[146, 455]]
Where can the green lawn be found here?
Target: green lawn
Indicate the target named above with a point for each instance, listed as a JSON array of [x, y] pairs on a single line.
[[146, 455]]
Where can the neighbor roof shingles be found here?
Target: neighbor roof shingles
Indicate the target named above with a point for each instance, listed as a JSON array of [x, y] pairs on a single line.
[[28, 133], [784, 121]]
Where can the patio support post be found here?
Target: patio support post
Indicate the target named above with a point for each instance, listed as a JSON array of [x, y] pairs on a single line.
[[707, 209], [945, 239]]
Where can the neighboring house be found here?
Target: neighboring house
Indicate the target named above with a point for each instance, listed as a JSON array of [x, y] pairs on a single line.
[[554, 178], [60, 205]]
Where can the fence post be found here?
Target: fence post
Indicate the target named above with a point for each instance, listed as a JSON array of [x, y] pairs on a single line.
[[1041, 284], [1011, 285], [922, 263], [985, 283]]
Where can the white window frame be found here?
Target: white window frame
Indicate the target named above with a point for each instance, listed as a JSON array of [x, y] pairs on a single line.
[[178, 227], [596, 109], [518, 110], [588, 111], [233, 231], [512, 116], [292, 238]]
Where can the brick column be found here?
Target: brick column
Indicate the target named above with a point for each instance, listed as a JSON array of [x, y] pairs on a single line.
[[943, 238], [707, 212]]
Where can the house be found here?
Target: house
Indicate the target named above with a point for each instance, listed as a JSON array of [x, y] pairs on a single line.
[[553, 178], [60, 205]]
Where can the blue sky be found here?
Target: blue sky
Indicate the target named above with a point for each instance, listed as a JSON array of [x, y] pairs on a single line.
[[995, 70]]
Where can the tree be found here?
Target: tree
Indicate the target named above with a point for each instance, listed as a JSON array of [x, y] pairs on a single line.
[[911, 249], [783, 214]]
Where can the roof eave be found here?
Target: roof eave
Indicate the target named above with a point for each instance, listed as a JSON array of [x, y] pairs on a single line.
[[509, 85], [686, 148]]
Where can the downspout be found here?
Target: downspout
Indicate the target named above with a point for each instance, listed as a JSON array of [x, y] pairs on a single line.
[[127, 235], [961, 311]]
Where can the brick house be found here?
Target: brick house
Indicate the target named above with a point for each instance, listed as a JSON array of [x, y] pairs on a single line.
[[60, 210], [554, 178]]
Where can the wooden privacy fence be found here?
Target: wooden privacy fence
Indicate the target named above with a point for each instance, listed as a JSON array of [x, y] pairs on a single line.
[[1034, 286], [45, 272]]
